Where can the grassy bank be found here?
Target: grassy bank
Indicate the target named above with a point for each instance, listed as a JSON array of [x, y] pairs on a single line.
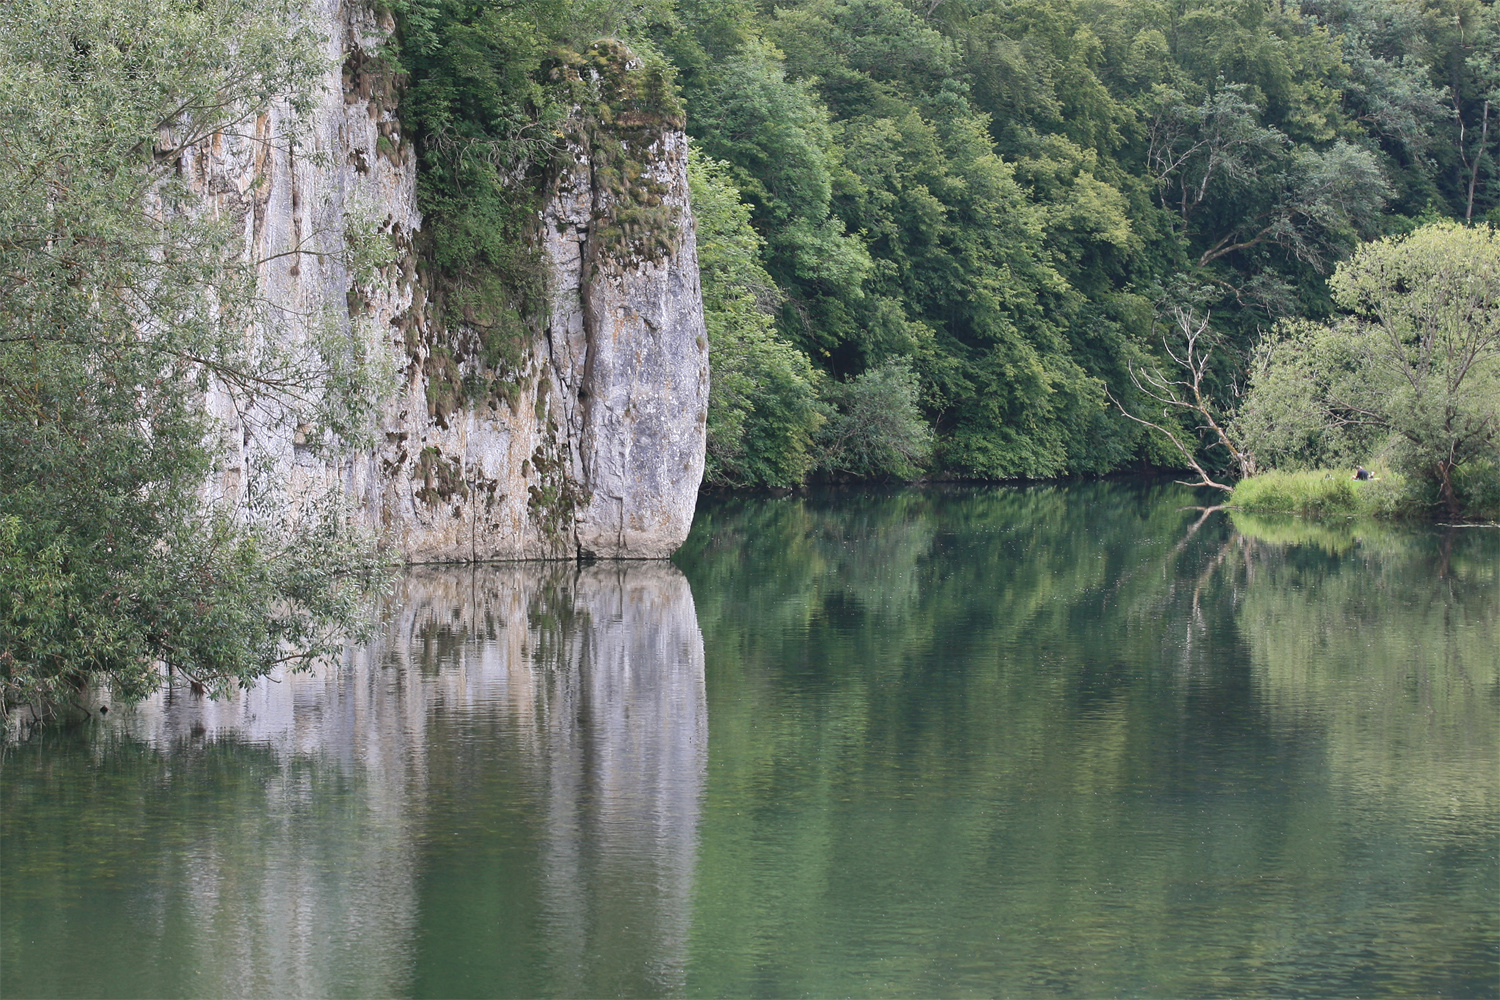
[[1335, 492], [1324, 491]]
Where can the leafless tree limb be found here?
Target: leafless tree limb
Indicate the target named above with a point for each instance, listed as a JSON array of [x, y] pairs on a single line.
[[1184, 391]]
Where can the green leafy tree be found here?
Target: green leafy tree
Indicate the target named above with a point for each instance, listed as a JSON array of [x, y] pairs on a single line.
[[122, 305], [964, 285], [762, 402], [1415, 363], [776, 136], [878, 431]]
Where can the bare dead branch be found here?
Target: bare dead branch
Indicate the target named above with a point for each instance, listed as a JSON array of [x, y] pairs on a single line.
[[1187, 394], [1204, 478]]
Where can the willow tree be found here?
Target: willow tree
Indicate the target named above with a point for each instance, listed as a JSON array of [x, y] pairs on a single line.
[[1413, 366], [121, 305]]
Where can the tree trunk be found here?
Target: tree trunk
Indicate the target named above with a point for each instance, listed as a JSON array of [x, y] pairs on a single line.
[[1445, 479]]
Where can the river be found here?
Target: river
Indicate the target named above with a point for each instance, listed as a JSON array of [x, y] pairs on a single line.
[[1056, 740]]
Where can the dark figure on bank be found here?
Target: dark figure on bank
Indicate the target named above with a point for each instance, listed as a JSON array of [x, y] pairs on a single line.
[[1361, 473]]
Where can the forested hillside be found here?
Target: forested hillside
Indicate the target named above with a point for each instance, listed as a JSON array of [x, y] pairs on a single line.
[[936, 234]]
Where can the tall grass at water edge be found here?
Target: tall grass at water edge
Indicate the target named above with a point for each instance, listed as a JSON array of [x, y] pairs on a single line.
[[1323, 491]]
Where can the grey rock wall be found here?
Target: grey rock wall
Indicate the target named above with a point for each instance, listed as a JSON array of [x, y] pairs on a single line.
[[628, 354], [597, 447]]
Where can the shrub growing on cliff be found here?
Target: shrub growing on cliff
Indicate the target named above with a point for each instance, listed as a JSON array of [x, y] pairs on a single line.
[[492, 93], [479, 113], [121, 305]]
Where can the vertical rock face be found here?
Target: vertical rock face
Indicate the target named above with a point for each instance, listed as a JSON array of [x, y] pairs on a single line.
[[592, 447], [630, 359]]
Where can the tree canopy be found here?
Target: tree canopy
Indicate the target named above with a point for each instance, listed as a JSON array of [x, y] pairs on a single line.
[[1007, 199], [1014, 197], [1412, 368]]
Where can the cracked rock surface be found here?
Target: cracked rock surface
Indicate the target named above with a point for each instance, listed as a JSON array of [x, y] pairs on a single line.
[[595, 450]]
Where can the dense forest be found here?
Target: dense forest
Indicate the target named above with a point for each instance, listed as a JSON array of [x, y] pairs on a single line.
[[940, 237]]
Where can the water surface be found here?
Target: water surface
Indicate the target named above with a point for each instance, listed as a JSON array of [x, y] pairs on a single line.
[[1047, 741]]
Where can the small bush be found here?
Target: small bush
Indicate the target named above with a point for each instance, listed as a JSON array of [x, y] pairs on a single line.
[[1477, 485], [1476, 488], [877, 432]]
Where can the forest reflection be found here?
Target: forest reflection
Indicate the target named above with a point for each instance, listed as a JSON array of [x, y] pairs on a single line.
[[1083, 740], [1054, 740]]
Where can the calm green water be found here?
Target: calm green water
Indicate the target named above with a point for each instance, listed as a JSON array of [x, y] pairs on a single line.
[[1055, 741]]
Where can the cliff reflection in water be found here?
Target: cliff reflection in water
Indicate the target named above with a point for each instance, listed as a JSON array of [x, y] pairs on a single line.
[[284, 842]]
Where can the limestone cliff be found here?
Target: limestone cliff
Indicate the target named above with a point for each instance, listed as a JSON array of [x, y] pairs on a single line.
[[595, 446]]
